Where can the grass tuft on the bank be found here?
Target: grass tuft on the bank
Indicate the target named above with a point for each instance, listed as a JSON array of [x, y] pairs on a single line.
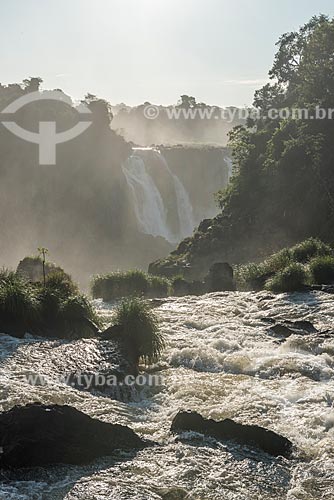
[[54, 310], [322, 270], [131, 283], [292, 278], [140, 328]]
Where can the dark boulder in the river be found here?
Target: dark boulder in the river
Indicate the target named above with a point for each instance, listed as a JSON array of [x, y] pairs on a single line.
[[285, 329], [38, 435], [227, 429], [220, 278]]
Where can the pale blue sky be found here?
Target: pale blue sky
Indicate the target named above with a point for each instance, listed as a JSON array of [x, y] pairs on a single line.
[[131, 51]]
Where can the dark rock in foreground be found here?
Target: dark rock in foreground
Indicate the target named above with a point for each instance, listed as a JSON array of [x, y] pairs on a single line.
[[37, 434], [287, 328], [227, 429]]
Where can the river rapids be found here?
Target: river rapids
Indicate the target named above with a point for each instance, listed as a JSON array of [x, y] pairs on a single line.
[[221, 362]]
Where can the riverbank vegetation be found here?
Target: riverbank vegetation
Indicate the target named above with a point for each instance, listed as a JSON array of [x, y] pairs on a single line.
[[56, 309], [291, 269], [282, 188], [120, 284]]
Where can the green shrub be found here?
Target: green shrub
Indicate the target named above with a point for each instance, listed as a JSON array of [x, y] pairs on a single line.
[[19, 305], [140, 329], [308, 249], [322, 270], [126, 284], [290, 279], [254, 276], [251, 276], [158, 286], [76, 315], [271, 271], [53, 310], [119, 284], [61, 283]]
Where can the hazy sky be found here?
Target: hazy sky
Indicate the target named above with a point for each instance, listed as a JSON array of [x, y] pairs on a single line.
[[133, 51]]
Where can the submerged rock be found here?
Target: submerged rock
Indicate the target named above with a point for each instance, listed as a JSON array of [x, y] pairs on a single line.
[[285, 329], [37, 434], [227, 429]]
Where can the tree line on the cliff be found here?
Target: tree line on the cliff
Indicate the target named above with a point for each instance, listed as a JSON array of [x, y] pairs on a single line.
[[282, 190], [168, 128]]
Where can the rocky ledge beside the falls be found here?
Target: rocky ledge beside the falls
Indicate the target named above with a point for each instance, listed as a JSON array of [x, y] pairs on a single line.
[[39, 435], [227, 429]]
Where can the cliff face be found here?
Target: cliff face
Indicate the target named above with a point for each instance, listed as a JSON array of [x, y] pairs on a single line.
[[203, 170]]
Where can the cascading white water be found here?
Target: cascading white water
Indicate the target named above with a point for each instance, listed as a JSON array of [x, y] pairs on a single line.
[[148, 204], [184, 207], [229, 164]]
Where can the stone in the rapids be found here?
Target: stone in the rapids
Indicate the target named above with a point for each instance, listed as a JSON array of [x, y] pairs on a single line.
[[250, 435], [38, 435], [220, 278]]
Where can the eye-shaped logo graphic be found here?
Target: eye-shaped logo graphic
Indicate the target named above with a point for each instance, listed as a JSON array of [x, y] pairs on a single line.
[[47, 138]]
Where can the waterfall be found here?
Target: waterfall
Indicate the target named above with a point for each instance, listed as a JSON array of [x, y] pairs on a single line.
[[184, 207], [148, 204], [229, 163]]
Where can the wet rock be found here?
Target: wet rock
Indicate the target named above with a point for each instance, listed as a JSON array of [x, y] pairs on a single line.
[[181, 287], [227, 429], [38, 435], [322, 288], [285, 329], [220, 278]]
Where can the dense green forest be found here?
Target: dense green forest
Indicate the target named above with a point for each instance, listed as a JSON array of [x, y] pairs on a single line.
[[282, 190]]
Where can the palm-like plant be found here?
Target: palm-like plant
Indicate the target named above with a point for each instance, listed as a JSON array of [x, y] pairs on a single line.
[[140, 328]]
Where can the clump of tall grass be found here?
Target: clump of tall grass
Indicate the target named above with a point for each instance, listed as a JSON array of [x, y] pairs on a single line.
[[254, 276], [128, 283], [322, 270], [306, 250], [140, 329], [19, 305], [292, 278], [56, 309]]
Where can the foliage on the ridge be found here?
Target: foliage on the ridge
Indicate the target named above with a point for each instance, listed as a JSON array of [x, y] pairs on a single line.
[[282, 190]]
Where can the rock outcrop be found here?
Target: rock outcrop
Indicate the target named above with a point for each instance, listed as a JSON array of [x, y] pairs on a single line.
[[250, 435], [38, 435]]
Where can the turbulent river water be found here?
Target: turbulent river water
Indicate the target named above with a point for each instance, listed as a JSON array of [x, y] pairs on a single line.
[[219, 361]]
